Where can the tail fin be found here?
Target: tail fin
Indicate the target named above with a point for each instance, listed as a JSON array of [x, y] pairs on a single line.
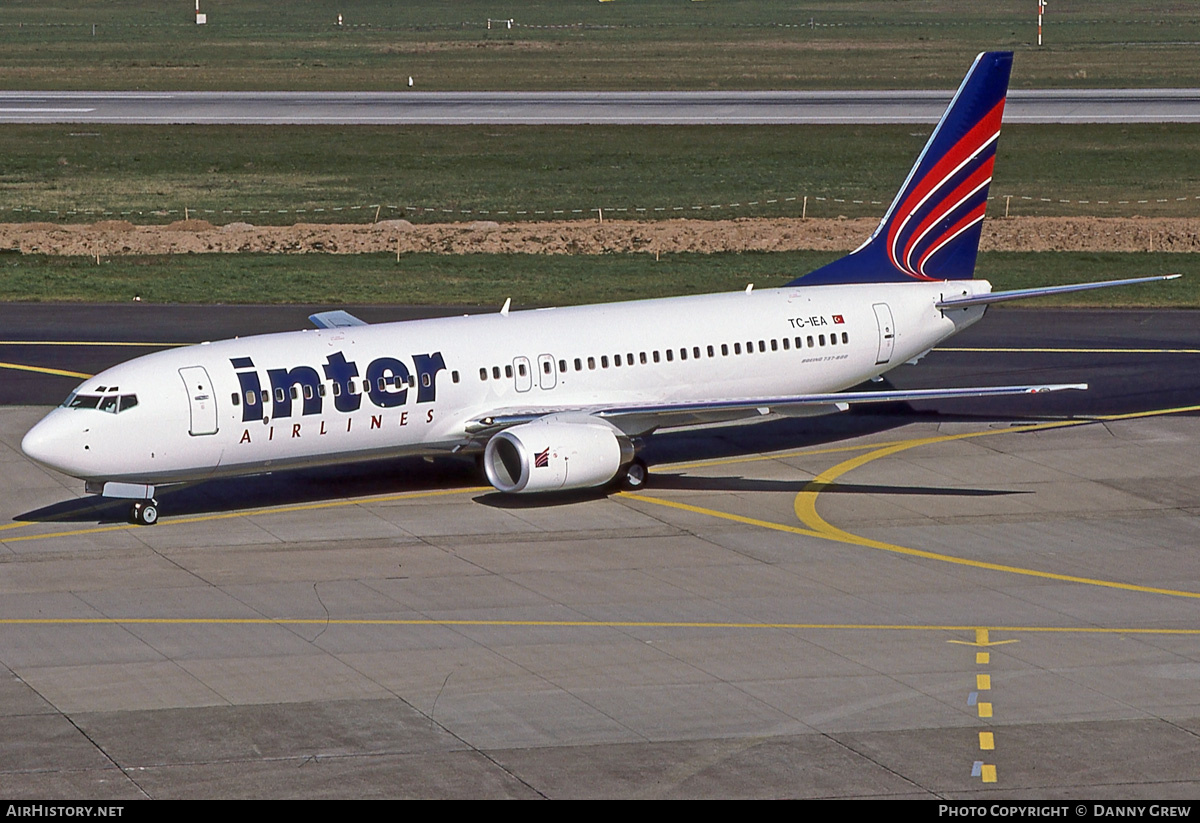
[[931, 230]]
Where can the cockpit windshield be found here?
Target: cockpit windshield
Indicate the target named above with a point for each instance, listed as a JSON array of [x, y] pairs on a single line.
[[111, 403]]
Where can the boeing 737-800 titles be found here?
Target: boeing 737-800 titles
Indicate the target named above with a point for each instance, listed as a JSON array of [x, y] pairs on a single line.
[[560, 398]]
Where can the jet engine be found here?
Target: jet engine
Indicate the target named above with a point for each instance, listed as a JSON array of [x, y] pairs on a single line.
[[555, 453]]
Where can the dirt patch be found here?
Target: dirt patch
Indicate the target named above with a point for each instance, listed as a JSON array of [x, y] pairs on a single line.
[[189, 225], [113, 225], [117, 237]]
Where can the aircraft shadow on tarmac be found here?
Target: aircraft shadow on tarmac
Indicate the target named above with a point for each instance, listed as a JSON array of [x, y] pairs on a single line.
[[402, 475], [683, 482]]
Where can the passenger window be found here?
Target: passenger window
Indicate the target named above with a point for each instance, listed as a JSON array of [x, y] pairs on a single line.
[[578, 364], [821, 339], [617, 360], [508, 371], [237, 399], [656, 357], [425, 380], [833, 339], [295, 393], [454, 376], [642, 358], [670, 356], [774, 345], [845, 337], [724, 349], [786, 344], [483, 374], [683, 354], [321, 389], [562, 366], [337, 389], [279, 396], [308, 392], [520, 371], [810, 341], [762, 345], [496, 372], [251, 398], [798, 345], [546, 367], [737, 348], [592, 363], [604, 361]]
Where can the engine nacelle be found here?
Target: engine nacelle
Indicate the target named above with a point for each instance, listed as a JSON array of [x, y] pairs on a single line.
[[554, 453]]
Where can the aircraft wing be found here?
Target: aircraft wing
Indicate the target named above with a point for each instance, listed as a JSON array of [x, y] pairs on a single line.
[[638, 420], [338, 319]]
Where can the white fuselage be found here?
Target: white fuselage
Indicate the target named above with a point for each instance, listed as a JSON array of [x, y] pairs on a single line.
[[331, 395]]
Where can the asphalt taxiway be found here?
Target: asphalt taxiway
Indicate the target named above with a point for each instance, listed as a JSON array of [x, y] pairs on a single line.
[[938, 601], [570, 107]]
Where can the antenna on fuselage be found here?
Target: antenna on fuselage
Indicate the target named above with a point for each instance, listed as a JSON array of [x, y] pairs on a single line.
[[504, 308]]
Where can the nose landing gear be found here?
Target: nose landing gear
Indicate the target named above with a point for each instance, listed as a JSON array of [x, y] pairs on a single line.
[[144, 513]]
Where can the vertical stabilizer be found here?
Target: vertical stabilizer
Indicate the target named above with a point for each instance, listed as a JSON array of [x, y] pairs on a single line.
[[931, 230]]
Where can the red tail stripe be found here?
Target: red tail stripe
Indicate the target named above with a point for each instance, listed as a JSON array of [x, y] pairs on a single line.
[[981, 175], [974, 216], [970, 143]]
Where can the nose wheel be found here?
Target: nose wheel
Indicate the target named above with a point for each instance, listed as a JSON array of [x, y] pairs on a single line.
[[144, 513]]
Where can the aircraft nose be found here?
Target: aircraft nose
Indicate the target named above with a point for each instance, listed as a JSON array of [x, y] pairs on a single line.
[[51, 444]]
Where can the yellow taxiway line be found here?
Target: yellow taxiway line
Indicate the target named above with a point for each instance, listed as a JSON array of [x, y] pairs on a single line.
[[206, 518], [584, 624], [117, 343], [44, 370], [805, 504]]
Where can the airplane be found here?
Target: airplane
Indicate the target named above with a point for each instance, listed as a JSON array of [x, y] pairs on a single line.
[[562, 398]]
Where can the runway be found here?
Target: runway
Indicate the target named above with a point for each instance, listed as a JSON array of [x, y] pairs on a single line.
[[933, 602], [671, 108]]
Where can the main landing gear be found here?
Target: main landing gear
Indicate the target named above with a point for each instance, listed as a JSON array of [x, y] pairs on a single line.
[[144, 513]]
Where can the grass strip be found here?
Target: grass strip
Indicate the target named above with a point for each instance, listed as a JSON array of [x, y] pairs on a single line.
[[530, 280], [281, 175], [582, 44]]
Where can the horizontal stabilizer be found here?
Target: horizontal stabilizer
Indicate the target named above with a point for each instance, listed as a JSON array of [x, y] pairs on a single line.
[[1022, 294], [338, 319]]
